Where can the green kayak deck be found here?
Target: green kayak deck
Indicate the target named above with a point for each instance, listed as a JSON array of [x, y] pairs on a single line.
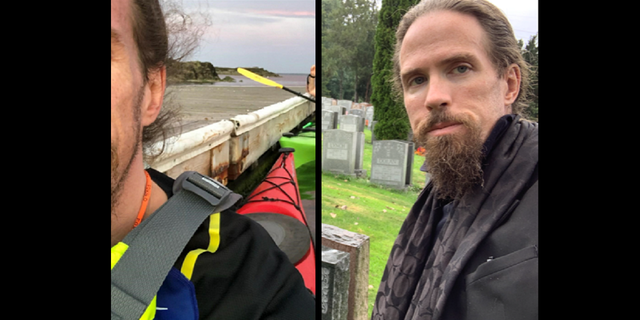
[[305, 145]]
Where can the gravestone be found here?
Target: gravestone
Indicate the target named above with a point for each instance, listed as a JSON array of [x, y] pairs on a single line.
[[391, 163], [339, 109], [411, 152], [356, 112], [334, 284], [329, 119], [345, 103], [357, 246], [342, 152], [351, 123], [368, 116]]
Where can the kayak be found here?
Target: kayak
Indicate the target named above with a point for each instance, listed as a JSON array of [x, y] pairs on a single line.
[[304, 143], [275, 204]]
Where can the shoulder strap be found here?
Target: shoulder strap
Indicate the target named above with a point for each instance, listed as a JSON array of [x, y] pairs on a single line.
[[156, 243]]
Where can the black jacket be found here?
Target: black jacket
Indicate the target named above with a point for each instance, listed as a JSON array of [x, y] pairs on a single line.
[[484, 261], [247, 277]]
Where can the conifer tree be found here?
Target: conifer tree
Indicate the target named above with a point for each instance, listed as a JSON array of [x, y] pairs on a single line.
[[393, 122]]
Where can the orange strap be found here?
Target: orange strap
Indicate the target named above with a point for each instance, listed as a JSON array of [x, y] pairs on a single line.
[[145, 200]]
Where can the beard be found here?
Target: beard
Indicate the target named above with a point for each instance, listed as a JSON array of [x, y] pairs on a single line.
[[119, 175], [454, 160]]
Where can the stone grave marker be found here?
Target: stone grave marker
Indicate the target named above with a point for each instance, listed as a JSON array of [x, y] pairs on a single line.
[[356, 112], [334, 284], [339, 109], [342, 152], [329, 119], [345, 103], [357, 246], [410, 153], [368, 116], [351, 123], [390, 160]]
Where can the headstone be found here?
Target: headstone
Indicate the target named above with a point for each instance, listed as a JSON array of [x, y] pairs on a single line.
[[345, 103], [342, 152], [356, 112], [329, 119], [339, 109], [351, 123], [410, 154], [357, 246], [391, 163], [368, 116], [335, 284]]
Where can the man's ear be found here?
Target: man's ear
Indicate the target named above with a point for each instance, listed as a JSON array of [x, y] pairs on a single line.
[[513, 79], [154, 95]]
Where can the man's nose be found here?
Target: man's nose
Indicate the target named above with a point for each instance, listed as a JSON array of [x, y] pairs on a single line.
[[438, 93]]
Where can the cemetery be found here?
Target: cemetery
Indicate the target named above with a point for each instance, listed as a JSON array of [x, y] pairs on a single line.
[[368, 187]]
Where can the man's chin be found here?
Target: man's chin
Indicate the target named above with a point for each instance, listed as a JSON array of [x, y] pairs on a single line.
[[454, 162]]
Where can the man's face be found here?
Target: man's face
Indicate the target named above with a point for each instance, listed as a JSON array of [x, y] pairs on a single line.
[[453, 96], [127, 95], [445, 68]]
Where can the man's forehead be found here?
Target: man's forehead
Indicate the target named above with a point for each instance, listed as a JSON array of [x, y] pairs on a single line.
[[442, 39], [120, 22]]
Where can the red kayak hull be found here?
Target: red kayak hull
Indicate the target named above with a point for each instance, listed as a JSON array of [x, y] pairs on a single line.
[[279, 193]]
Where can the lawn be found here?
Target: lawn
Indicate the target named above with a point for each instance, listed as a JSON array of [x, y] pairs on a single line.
[[376, 211]]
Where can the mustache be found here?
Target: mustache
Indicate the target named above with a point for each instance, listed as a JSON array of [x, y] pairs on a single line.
[[442, 117]]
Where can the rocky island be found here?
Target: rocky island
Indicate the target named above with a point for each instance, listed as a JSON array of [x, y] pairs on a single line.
[[197, 72]]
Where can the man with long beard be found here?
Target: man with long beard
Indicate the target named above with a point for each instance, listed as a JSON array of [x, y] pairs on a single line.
[[230, 268], [469, 247]]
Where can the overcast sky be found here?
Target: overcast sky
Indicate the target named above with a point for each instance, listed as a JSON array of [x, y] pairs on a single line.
[[276, 35], [279, 35], [522, 14]]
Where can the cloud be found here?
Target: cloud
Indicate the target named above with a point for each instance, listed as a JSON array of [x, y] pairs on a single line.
[[284, 13], [278, 36]]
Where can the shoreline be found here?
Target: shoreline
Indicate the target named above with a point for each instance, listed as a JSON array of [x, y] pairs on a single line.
[[241, 81]]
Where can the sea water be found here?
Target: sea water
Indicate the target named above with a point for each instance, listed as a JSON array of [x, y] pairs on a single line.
[[286, 79]]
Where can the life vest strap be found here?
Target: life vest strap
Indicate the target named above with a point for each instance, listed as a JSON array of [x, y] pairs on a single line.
[[156, 243]]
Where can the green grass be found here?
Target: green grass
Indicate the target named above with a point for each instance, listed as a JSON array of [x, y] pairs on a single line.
[[373, 210]]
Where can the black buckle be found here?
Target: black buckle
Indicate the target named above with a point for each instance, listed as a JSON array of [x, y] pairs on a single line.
[[207, 188]]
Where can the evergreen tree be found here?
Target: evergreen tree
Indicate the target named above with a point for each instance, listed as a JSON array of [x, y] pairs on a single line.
[[393, 122]]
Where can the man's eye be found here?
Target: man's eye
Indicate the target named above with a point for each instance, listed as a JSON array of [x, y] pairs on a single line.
[[418, 80], [462, 69]]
